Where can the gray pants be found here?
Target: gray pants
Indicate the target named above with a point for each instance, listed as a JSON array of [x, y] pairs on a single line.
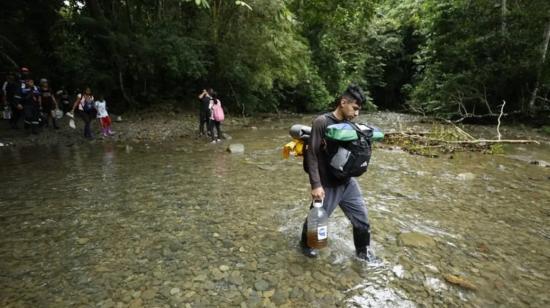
[[350, 200]]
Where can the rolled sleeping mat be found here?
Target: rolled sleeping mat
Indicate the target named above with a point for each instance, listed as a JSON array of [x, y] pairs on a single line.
[[299, 131], [302, 132], [377, 134]]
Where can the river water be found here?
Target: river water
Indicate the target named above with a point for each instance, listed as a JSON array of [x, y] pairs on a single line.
[[186, 224]]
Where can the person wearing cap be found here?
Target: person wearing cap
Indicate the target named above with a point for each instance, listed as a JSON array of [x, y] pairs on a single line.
[[337, 192]]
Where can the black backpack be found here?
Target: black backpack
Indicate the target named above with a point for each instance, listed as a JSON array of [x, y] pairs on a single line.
[[348, 152], [349, 149]]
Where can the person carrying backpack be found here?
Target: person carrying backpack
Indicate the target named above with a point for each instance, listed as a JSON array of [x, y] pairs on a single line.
[[32, 103], [339, 188], [216, 118]]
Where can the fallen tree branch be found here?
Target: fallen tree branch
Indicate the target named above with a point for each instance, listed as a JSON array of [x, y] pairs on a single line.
[[501, 112], [447, 139], [458, 129], [480, 141], [422, 136]]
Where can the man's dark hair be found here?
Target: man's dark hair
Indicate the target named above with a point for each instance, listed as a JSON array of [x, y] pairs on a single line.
[[355, 92], [352, 92]]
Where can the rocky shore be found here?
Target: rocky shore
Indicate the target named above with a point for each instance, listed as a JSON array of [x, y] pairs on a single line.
[[144, 126]]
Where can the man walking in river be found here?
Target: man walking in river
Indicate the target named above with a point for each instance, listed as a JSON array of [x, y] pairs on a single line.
[[325, 186]]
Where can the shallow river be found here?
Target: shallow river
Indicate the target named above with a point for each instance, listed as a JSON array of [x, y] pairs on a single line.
[[186, 224]]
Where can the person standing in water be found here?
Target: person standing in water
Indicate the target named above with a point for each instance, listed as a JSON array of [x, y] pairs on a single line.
[[84, 105], [204, 110], [64, 101], [11, 98], [331, 190], [216, 118], [103, 116], [32, 103], [49, 104]]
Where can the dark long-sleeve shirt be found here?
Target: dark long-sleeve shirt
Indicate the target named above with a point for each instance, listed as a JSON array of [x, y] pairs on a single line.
[[316, 157], [205, 102]]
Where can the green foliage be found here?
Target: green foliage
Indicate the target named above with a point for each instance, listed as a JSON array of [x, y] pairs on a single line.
[[25, 35], [445, 133], [337, 34], [392, 43], [260, 59], [496, 149], [445, 57], [472, 57]]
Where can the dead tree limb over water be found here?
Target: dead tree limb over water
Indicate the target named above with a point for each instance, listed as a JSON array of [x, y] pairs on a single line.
[[446, 139]]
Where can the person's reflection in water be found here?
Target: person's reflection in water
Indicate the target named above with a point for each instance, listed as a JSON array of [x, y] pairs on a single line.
[[108, 165]]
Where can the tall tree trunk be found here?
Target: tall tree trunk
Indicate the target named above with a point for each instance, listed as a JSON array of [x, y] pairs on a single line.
[[95, 9], [160, 8], [122, 90], [539, 72], [130, 17], [504, 12], [215, 8]]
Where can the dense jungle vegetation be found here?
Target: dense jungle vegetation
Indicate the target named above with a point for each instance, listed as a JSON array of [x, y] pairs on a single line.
[[450, 58]]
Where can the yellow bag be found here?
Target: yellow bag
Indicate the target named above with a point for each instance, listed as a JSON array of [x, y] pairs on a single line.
[[295, 147]]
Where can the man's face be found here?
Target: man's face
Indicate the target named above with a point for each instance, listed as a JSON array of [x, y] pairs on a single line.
[[350, 108]]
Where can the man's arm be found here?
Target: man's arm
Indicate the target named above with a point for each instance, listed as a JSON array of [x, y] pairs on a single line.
[[313, 154], [203, 93]]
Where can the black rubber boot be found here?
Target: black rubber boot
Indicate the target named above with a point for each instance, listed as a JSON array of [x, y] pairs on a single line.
[[361, 240], [306, 250]]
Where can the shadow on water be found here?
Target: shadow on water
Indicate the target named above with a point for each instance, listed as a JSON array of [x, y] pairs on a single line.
[[188, 223]]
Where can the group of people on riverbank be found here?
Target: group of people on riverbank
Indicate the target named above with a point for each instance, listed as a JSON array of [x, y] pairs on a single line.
[[211, 115], [38, 105]]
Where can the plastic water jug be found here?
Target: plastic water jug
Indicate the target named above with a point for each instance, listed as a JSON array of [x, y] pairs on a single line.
[[6, 114], [317, 226]]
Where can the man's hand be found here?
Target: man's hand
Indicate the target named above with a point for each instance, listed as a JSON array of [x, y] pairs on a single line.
[[318, 193]]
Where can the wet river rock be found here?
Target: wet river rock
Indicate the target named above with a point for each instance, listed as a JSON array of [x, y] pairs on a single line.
[[414, 239], [179, 222], [236, 148]]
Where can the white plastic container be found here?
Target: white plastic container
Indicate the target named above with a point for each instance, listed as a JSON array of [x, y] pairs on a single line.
[[317, 226]]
